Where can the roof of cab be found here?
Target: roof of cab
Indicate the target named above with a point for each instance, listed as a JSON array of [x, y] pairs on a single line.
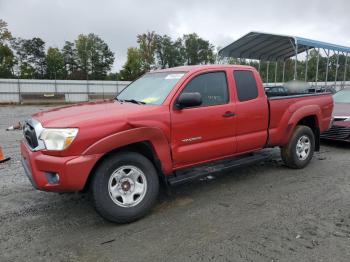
[[195, 68]]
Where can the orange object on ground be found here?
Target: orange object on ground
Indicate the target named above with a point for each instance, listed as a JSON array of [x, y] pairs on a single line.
[[2, 156]]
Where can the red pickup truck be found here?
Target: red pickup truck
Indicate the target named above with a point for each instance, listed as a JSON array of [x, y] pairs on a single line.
[[165, 128]]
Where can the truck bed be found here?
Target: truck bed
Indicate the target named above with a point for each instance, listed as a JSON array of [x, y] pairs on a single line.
[[284, 112]]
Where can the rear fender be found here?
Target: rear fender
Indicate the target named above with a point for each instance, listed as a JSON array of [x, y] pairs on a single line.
[[297, 116], [152, 134], [281, 135]]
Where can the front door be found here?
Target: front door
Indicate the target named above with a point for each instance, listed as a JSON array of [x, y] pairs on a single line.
[[205, 132]]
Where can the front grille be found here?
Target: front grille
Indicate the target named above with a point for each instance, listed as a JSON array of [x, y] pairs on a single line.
[[340, 118], [337, 132], [30, 136]]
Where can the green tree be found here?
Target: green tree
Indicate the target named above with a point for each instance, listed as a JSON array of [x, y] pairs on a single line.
[[36, 57], [55, 64], [5, 34], [133, 67], [147, 47], [69, 54], [197, 50], [83, 47], [7, 60], [94, 57], [169, 53], [30, 57]]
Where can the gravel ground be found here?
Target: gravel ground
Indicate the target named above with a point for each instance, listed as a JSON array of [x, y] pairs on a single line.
[[264, 212]]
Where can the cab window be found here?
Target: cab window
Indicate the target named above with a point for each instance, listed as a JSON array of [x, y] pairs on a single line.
[[245, 85], [212, 87]]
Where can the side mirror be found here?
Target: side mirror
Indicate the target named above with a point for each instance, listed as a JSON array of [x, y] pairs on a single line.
[[189, 100]]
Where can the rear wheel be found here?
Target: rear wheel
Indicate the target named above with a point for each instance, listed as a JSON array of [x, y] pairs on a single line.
[[125, 187], [300, 149]]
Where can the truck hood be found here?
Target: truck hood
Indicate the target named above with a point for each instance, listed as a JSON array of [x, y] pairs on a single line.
[[90, 113]]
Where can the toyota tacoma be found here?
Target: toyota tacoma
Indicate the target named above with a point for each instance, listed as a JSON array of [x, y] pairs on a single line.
[[168, 127]]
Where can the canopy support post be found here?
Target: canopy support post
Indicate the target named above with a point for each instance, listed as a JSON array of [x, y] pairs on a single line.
[[306, 64], [276, 73], [296, 61], [317, 64], [259, 66], [327, 66], [267, 74], [346, 63], [336, 70], [284, 69]]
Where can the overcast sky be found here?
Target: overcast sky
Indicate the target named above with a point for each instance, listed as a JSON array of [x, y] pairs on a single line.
[[221, 21]]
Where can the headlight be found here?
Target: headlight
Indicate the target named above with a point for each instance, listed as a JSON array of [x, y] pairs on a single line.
[[58, 138]]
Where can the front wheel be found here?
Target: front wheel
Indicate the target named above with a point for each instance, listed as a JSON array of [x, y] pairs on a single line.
[[300, 149], [125, 187]]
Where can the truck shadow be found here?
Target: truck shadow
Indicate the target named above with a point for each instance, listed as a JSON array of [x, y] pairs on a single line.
[[228, 180], [80, 208], [335, 143]]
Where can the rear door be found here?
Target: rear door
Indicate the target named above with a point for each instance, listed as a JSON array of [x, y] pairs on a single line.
[[206, 132], [252, 112]]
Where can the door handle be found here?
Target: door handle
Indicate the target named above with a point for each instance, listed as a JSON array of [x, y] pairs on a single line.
[[229, 114]]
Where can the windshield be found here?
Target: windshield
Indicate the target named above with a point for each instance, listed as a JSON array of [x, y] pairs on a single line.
[[342, 96], [152, 88]]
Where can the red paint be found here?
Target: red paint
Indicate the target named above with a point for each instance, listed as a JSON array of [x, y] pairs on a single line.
[[105, 126]]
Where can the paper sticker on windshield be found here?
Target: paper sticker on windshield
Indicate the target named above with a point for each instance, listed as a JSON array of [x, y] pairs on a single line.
[[150, 100], [174, 76]]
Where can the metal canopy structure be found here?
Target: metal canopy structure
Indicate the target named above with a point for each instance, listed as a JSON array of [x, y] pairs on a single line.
[[272, 47]]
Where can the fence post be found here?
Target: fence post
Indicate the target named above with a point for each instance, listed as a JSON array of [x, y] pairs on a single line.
[[19, 91], [87, 89]]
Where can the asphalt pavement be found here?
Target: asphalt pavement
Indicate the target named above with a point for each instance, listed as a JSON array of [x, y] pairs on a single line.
[[265, 212]]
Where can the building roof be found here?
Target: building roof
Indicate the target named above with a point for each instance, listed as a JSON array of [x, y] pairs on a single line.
[[264, 46]]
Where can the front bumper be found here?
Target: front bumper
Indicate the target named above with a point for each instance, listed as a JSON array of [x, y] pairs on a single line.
[[73, 171]]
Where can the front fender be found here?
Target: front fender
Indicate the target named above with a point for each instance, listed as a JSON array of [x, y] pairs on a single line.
[[152, 134]]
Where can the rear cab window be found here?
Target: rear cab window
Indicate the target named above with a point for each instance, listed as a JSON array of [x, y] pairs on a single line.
[[246, 86]]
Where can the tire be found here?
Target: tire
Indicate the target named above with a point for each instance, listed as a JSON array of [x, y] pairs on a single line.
[[124, 196], [294, 158]]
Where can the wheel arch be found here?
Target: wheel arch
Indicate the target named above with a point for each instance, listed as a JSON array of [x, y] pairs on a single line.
[[144, 148], [150, 142], [308, 116], [312, 122]]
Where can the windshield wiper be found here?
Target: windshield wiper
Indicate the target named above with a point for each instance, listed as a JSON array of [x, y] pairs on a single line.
[[134, 101], [130, 101], [119, 100]]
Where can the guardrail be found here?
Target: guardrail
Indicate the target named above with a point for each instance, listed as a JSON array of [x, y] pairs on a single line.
[[70, 91], [64, 91]]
